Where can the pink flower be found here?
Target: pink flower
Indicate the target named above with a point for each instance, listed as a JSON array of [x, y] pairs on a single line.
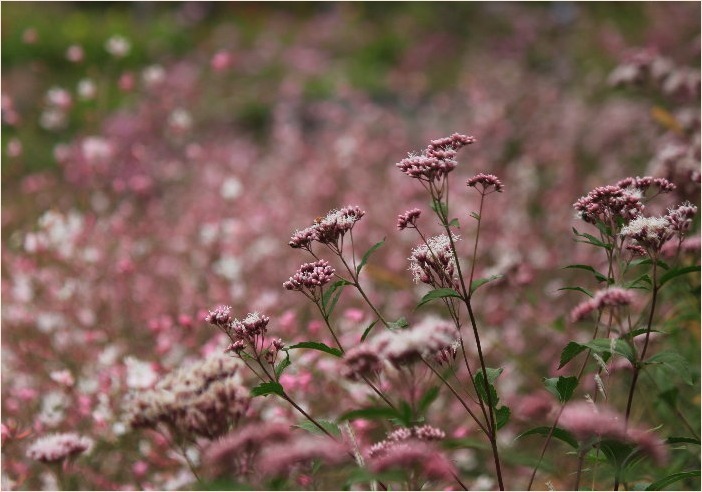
[[408, 219], [278, 459], [486, 181], [416, 456], [311, 276], [221, 61], [612, 297], [57, 447]]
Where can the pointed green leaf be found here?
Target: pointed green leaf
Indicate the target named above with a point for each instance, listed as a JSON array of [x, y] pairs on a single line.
[[330, 427], [599, 276], [264, 389], [604, 345], [683, 440], [427, 399], [475, 215], [455, 223], [671, 479], [569, 352], [368, 330], [501, 417], [482, 281], [317, 346], [676, 272], [675, 363], [561, 387], [330, 291], [558, 433], [368, 254], [399, 324], [372, 413], [579, 289], [282, 365], [437, 294], [479, 382]]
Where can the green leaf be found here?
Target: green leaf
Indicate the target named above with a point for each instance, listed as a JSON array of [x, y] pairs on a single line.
[[367, 255], [634, 283], [479, 381], [671, 479], [427, 399], [579, 289], [676, 272], [330, 291], [399, 324], [569, 352], [455, 223], [600, 277], [604, 345], [318, 346], [371, 413], [330, 427], [591, 240], [282, 365], [615, 451], [482, 281], [683, 440], [405, 414], [558, 433], [675, 363], [561, 387], [501, 416], [439, 207], [264, 389], [437, 294], [475, 215], [368, 330], [669, 397]]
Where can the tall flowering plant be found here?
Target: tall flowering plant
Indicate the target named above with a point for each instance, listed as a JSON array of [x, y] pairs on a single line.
[[402, 351]]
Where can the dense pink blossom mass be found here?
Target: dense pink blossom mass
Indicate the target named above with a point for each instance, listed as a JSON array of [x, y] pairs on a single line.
[[350, 246]]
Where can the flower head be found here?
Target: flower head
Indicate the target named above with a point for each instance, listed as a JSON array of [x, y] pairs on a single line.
[[486, 181], [434, 263], [608, 203], [611, 297], [680, 218], [437, 160], [408, 219], [310, 276], [411, 344], [361, 361], [650, 232], [57, 447]]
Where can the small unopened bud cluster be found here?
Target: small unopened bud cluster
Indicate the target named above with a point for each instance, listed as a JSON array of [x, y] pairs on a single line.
[[486, 182], [328, 230], [437, 160], [311, 277], [434, 263], [249, 333], [408, 219]]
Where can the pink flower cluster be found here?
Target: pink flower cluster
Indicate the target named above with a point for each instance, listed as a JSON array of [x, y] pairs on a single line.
[[311, 276], [434, 262], [609, 203], [611, 297], [419, 433], [408, 219], [437, 160], [586, 421], [487, 181], [57, 447], [328, 230]]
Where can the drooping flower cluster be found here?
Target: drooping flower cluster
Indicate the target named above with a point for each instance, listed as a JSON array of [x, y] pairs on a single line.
[[586, 421], [434, 262], [437, 160], [486, 181], [400, 348], [328, 230], [205, 399], [680, 218], [611, 297], [419, 433], [408, 219], [311, 277], [57, 447]]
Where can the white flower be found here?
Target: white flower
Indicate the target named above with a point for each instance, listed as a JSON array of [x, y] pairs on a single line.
[[140, 375], [118, 46]]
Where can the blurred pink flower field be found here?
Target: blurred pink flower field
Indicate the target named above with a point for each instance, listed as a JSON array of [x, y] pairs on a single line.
[[351, 246]]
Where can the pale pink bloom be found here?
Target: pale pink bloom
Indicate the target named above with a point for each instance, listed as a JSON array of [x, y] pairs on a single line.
[[30, 36], [57, 447], [534, 406], [96, 150], [361, 361], [87, 90], [611, 297], [607, 203], [650, 232], [680, 218], [126, 82], [410, 344], [221, 61], [310, 277], [586, 421], [434, 262], [486, 181], [180, 121], [63, 377], [279, 459], [14, 147], [118, 46], [153, 76], [414, 456], [75, 53], [59, 98]]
